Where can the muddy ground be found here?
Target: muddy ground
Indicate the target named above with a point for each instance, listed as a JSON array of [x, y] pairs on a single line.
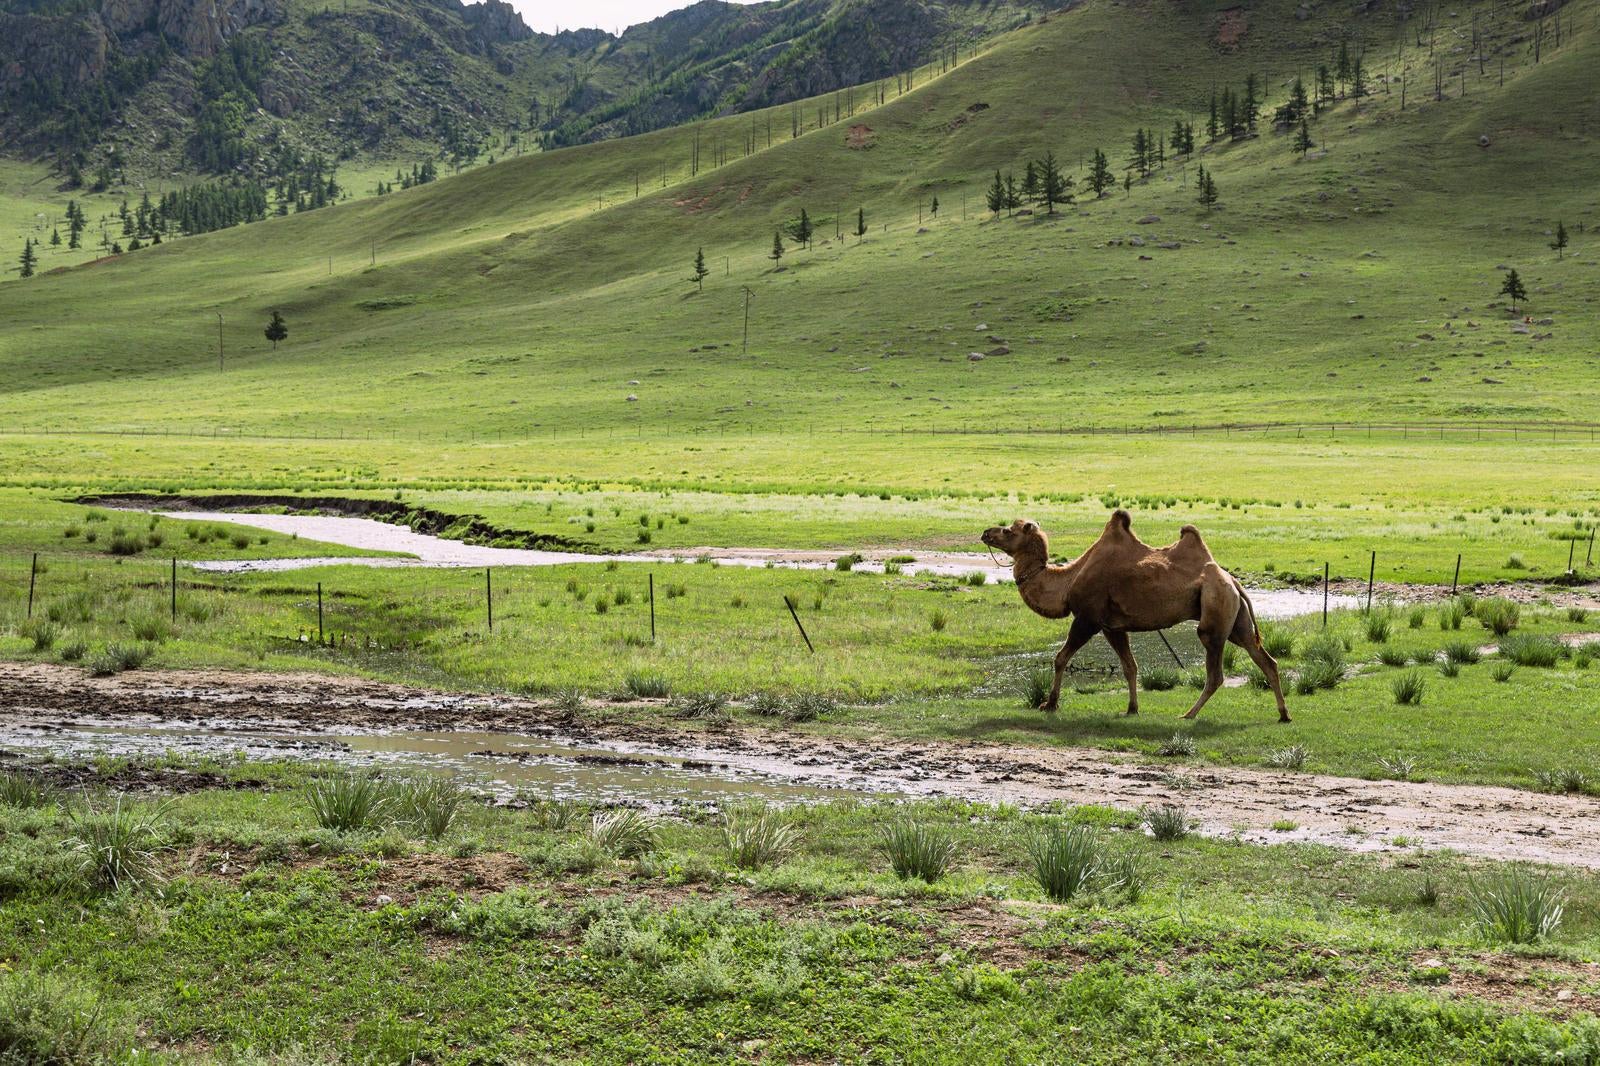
[[1348, 813]]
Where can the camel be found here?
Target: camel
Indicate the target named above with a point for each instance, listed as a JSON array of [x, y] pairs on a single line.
[[1122, 585]]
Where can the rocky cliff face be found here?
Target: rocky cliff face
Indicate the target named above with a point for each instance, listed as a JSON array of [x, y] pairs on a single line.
[[36, 48]]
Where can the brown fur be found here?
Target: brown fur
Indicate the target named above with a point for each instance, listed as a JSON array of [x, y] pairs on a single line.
[[1122, 585]]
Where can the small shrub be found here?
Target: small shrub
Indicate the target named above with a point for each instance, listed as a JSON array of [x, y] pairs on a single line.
[[569, 700], [622, 597], [1528, 649], [1461, 651], [937, 621], [766, 704], [643, 537], [1159, 678], [646, 686], [1408, 688], [553, 814], [1065, 860], [1502, 671], [1398, 766], [1376, 626], [1291, 758], [1580, 658], [708, 705], [118, 848], [917, 849], [348, 800], [240, 541], [123, 544], [623, 832], [1166, 822], [1325, 648], [49, 1020], [756, 835], [1393, 657], [1179, 745], [601, 606], [1516, 905], [1497, 614]]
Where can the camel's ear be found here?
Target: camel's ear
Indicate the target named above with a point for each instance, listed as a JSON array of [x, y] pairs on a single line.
[[1030, 527]]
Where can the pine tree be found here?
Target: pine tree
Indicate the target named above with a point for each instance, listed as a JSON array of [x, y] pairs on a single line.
[[1176, 138], [995, 198], [1298, 104], [1512, 286], [28, 258], [1251, 106], [1055, 187], [1358, 79], [1100, 177], [700, 271], [861, 220], [55, 238], [1560, 243], [1014, 197], [1030, 182], [935, 207], [803, 229], [1207, 188], [777, 247], [1211, 122], [1140, 158], [277, 330], [1230, 114], [1302, 139], [1324, 89], [1341, 69]]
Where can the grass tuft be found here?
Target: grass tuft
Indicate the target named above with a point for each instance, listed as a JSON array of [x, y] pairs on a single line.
[[917, 849], [756, 835], [1178, 745], [1516, 905], [646, 686], [1528, 649], [1497, 614], [1159, 678], [1408, 687], [623, 832], [1291, 758], [1065, 860], [1169, 821], [118, 848], [348, 800]]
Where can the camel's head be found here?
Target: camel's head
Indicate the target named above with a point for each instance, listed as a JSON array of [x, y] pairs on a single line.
[[1021, 537]]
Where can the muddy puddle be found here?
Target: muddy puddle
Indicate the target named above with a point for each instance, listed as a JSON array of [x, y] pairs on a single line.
[[420, 549], [502, 764]]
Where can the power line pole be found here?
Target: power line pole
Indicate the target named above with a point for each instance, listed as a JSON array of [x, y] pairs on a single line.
[[219, 342], [748, 296]]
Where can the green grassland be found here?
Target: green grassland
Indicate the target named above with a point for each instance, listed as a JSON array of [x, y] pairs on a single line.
[[246, 933]]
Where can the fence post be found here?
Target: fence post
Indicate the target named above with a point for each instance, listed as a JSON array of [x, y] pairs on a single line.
[[1572, 547], [1324, 595], [33, 577], [1171, 649], [1589, 558], [174, 588], [488, 596], [1457, 579], [652, 606], [1372, 572], [787, 602], [319, 612]]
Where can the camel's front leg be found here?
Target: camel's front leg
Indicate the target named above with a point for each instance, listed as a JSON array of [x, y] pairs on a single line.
[[1080, 634], [1119, 644]]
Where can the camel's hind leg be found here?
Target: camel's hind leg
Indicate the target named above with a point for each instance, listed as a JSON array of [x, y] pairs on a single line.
[[1080, 634], [1119, 644], [1220, 607], [1247, 636]]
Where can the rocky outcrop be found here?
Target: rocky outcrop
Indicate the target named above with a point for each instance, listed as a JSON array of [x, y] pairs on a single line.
[[496, 22], [198, 28], [36, 48]]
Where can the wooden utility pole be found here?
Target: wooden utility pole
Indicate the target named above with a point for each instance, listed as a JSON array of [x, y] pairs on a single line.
[[219, 342], [748, 296]]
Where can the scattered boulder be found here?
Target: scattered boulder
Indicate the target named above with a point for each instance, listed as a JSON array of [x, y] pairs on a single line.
[[1137, 242], [1483, 140], [974, 357], [999, 349], [1171, 246], [632, 398], [1149, 220]]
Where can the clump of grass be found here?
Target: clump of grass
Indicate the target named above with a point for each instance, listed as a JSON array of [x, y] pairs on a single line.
[[1502, 671], [623, 832], [430, 803], [809, 706], [569, 700], [1169, 821], [1393, 657], [917, 849], [937, 621], [1427, 894], [1516, 905], [976, 578], [712, 706], [150, 628], [1377, 627], [1036, 685], [1178, 745], [1278, 642], [41, 633], [1291, 758], [240, 541], [1462, 651], [116, 658], [123, 544], [1256, 679], [1065, 860], [1416, 617], [1450, 616], [1497, 614], [21, 789], [622, 597], [1450, 668], [1408, 688], [756, 835], [847, 563], [1398, 766], [1577, 614], [119, 847], [1566, 779], [1316, 674], [348, 800], [1325, 648], [1529, 649], [553, 814], [1516, 562], [1159, 678], [891, 569], [643, 537], [646, 686], [1582, 658]]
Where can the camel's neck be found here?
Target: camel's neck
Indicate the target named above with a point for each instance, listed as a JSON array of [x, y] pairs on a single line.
[[1044, 588]]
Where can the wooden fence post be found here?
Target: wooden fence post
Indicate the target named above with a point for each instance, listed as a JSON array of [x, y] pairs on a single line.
[[488, 596], [174, 588], [1372, 573], [319, 612], [1324, 595], [787, 602], [1457, 579], [33, 577], [652, 606]]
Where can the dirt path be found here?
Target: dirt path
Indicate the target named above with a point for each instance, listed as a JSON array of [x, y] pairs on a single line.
[[1347, 813]]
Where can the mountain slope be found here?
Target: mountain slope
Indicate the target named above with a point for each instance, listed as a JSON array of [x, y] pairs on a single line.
[[538, 295]]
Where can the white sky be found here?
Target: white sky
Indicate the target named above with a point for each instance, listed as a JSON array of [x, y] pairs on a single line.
[[614, 15]]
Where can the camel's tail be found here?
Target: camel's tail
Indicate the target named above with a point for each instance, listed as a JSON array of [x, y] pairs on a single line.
[[1248, 606]]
